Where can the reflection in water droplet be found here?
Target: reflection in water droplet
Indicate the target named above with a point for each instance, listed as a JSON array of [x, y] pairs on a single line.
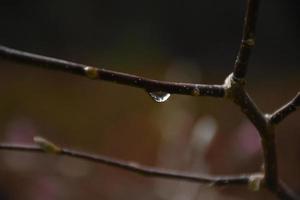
[[159, 96]]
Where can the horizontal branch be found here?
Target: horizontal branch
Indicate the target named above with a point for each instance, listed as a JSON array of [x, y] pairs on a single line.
[[285, 110], [149, 85], [134, 167], [248, 39]]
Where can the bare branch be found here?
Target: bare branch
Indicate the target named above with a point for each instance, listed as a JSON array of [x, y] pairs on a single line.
[[285, 110], [284, 192], [233, 89], [135, 167], [238, 94], [248, 39], [108, 75]]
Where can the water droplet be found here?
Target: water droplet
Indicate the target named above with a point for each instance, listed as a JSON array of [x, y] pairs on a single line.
[[159, 96]]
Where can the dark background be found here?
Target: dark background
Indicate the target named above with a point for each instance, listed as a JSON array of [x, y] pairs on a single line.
[[191, 41]]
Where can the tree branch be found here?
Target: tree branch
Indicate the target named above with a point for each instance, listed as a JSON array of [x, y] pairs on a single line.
[[284, 192], [134, 167], [285, 110], [238, 94], [233, 89], [248, 39], [108, 75]]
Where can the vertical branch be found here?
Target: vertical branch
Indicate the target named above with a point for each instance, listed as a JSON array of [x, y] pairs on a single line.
[[95, 73], [248, 39], [270, 159]]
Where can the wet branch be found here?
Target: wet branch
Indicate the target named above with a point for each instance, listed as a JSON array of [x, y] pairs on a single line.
[[263, 123], [236, 92], [233, 89], [248, 39], [284, 192], [135, 167], [285, 110], [108, 75]]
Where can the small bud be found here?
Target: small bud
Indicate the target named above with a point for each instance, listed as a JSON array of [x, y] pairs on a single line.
[[133, 164], [196, 92], [228, 81], [91, 72], [46, 145], [255, 182], [212, 184], [249, 42]]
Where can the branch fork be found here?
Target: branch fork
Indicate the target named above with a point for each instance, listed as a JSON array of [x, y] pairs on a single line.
[[231, 85]]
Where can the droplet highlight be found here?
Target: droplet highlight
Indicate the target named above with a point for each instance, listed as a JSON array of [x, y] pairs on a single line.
[[159, 96]]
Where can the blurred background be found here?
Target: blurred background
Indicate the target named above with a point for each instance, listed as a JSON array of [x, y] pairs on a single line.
[[184, 41]]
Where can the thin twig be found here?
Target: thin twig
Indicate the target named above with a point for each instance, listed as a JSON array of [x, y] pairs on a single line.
[[135, 167], [248, 39], [108, 75], [284, 192], [285, 110]]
